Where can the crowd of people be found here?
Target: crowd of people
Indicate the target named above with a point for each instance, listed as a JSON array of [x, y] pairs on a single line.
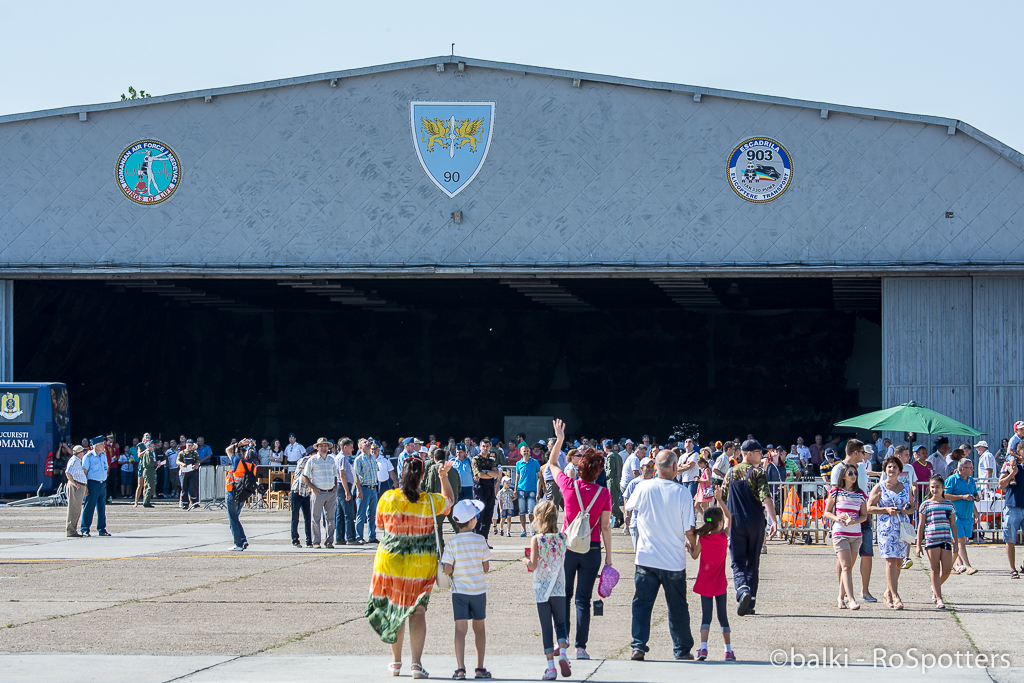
[[674, 501]]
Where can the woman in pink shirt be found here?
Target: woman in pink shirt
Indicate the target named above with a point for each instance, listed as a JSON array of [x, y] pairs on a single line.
[[581, 569]]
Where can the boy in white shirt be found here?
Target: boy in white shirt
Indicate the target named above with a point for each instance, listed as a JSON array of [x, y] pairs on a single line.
[[467, 559]]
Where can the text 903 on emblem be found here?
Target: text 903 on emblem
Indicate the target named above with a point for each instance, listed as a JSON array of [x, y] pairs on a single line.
[[760, 169]]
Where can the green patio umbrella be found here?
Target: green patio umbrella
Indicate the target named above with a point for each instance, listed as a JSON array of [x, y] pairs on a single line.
[[910, 417]]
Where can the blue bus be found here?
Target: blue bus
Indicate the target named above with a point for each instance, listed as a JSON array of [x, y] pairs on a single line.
[[33, 423]]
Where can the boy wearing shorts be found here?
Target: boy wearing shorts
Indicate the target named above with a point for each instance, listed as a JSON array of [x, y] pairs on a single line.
[[507, 503], [467, 559]]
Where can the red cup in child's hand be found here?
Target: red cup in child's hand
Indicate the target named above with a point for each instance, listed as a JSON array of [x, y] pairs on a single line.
[[527, 551]]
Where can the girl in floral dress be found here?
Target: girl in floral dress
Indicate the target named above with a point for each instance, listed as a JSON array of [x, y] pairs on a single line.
[[545, 560]]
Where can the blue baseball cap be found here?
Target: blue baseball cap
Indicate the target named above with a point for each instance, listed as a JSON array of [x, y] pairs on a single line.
[[96, 439], [751, 445], [606, 442], [460, 446], [407, 440]]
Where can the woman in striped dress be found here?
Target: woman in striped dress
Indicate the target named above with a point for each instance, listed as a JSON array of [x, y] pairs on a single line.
[[936, 529], [405, 567], [846, 508]]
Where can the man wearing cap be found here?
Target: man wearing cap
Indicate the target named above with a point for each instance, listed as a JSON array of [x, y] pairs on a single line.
[[409, 448], [485, 475], [321, 476], [986, 463], [630, 469], [294, 450], [464, 466], [1018, 436], [828, 464], [747, 497], [613, 470], [95, 466], [365, 467], [75, 489], [147, 464]]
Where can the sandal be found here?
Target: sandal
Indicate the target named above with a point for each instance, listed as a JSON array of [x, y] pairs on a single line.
[[854, 606], [459, 675], [418, 671], [971, 571], [481, 673], [940, 605], [842, 603], [887, 598], [1014, 574], [395, 668], [897, 603]]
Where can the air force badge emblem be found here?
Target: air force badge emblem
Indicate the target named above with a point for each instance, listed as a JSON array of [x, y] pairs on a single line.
[[11, 406], [451, 140]]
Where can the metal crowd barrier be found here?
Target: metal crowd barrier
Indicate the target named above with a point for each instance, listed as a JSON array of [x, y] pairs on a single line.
[[212, 494], [805, 522]]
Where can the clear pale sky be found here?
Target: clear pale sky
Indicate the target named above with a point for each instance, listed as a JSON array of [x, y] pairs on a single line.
[[940, 58]]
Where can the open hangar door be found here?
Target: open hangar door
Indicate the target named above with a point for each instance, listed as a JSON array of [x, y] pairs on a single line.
[[452, 356]]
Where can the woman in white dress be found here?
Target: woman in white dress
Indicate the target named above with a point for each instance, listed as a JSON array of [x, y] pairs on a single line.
[[890, 499]]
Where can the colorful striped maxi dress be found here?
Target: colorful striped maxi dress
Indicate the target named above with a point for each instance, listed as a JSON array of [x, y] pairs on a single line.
[[406, 562]]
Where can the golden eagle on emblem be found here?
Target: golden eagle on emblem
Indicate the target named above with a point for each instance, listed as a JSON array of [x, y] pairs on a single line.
[[452, 133]]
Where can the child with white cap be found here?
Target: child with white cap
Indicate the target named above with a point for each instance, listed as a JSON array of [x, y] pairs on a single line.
[[467, 559], [507, 504]]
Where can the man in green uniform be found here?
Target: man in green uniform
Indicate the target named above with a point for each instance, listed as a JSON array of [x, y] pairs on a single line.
[[613, 468], [432, 483], [148, 462]]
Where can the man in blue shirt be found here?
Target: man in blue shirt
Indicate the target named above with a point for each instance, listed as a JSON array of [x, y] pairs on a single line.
[[204, 451], [464, 466], [95, 466], [527, 476], [408, 448], [962, 491]]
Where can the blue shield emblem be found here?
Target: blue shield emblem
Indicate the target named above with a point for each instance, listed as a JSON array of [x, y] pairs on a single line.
[[452, 139]]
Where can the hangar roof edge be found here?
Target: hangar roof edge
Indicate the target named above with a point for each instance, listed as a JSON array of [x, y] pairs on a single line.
[[951, 124]]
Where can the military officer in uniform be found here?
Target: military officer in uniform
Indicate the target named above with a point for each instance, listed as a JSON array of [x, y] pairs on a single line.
[[148, 463], [485, 475], [613, 467]]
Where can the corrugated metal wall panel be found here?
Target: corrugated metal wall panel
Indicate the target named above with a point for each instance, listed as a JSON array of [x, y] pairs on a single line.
[[927, 345], [998, 355]]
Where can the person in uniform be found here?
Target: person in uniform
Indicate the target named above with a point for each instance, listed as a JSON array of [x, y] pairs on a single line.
[[75, 489], [747, 497], [95, 466], [485, 475], [613, 466], [147, 463]]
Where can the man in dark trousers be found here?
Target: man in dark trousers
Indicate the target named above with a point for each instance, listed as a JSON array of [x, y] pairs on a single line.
[[747, 497], [485, 475]]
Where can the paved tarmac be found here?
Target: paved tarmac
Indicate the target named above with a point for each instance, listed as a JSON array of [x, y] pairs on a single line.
[[164, 600]]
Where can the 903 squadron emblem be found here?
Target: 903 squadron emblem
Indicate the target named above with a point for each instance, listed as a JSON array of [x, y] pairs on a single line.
[[451, 140], [760, 169]]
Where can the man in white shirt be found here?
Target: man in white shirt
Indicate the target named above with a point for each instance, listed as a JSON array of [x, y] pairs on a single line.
[[294, 450], [630, 470], [940, 458], [802, 450], [663, 513], [386, 479], [75, 490], [724, 462], [173, 480], [687, 467], [986, 463]]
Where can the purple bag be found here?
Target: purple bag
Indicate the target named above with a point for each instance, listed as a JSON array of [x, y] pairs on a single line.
[[606, 582]]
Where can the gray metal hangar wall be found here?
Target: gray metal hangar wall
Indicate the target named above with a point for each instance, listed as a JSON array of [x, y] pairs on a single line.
[[583, 174]]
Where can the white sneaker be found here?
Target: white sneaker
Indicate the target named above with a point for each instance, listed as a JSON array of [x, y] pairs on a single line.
[[581, 653], [236, 548]]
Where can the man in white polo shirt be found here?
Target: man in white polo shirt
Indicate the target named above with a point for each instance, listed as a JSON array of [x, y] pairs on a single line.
[[662, 510], [294, 450]]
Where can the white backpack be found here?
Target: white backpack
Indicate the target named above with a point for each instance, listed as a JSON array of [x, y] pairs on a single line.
[[577, 534]]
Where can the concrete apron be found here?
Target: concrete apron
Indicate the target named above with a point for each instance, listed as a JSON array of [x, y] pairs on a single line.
[[33, 668]]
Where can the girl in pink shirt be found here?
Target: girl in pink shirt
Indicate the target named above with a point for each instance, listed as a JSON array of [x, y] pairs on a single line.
[[711, 586]]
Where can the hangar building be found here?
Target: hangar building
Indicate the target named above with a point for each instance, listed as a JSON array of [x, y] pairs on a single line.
[[429, 246]]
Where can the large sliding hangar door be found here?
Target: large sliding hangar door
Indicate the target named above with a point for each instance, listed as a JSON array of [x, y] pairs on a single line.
[[675, 242]]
